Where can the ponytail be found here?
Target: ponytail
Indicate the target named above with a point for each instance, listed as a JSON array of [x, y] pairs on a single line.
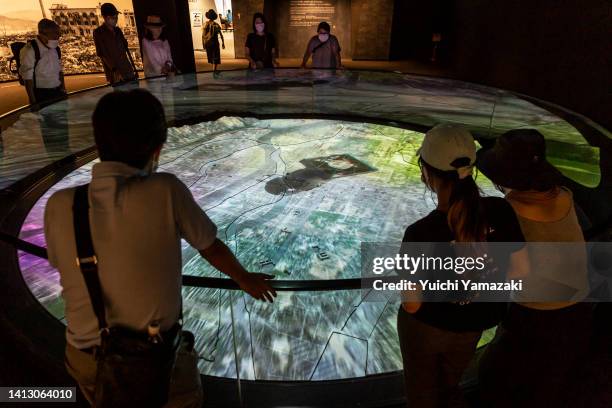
[[466, 218]]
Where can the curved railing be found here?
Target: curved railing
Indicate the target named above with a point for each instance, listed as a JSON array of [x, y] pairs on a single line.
[[246, 338]]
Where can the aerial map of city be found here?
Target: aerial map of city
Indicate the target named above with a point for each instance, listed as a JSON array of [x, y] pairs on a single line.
[[294, 192], [293, 198]]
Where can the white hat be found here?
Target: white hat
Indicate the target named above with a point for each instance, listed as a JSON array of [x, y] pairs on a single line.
[[443, 144]]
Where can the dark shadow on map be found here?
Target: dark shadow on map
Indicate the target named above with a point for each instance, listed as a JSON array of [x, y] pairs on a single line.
[[316, 172]]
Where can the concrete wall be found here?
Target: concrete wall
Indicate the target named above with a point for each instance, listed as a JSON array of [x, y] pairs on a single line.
[[372, 22]]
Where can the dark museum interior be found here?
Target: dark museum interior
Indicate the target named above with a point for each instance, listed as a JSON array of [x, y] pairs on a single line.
[[306, 203]]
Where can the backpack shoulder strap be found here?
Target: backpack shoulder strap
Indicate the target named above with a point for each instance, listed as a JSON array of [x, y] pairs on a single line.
[[34, 46], [86, 256]]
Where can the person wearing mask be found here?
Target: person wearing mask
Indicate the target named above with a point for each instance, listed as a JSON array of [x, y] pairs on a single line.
[[40, 65], [156, 53], [40, 70], [438, 339], [546, 332], [260, 47], [138, 218], [324, 48], [112, 48], [210, 39]]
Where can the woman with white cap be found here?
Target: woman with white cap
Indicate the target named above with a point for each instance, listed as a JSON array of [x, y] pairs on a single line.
[[156, 53], [439, 338]]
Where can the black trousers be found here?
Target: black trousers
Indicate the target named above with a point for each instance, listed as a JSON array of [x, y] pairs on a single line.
[[533, 359], [46, 95], [434, 361]]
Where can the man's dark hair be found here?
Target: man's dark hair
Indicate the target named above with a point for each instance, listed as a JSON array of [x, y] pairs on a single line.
[[324, 25], [45, 25], [263, 20], [129, 126]]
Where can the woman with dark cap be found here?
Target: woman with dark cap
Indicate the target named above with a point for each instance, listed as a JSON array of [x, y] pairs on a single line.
[[547, 329], [438, 336], [210, 39], [260, 47]]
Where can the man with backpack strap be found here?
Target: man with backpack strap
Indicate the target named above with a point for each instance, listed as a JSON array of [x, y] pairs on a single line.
[[40, 66]]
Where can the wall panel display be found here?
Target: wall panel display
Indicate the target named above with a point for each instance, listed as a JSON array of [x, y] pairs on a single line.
[[77, 20]]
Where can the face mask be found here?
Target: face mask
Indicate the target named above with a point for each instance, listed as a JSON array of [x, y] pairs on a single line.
[[323, 37], [52, 43], [259, 27]]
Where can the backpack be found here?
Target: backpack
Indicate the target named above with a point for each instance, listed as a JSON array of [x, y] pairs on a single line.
[[16, 48], [210, 34]]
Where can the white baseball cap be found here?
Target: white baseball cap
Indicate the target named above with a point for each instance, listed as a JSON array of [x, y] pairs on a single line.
[[446, 143]]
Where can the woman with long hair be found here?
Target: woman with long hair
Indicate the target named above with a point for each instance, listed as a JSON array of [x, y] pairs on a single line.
[[438, 338]]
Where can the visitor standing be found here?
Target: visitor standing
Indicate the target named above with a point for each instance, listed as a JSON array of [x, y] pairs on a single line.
[[537, 349], [210, 39], [324, 48], [134, 219], [40, 66], [113, 49], [260, 47], [156, 53]]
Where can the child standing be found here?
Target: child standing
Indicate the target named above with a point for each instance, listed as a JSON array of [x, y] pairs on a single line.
[[210, 39]]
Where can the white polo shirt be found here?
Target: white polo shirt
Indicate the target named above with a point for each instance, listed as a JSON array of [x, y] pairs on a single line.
[[48, 68], [137, 224]]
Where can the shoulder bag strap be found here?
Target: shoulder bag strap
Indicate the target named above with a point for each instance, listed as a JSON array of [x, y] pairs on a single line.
[[86, 256]]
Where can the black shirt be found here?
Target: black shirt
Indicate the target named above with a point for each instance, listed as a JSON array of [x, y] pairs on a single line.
[[503, 226], [260, 48]]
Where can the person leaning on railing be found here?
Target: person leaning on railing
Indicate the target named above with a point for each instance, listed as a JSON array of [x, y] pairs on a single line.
[[138, 218]]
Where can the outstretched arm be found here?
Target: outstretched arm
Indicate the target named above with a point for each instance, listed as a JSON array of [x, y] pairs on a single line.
[[255, 284]]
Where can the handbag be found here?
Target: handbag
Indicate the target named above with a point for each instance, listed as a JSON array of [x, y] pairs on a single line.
[[133, 367]]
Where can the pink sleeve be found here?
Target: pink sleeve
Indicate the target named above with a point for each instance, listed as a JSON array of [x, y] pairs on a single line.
[[147, 62], [168, 51]]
